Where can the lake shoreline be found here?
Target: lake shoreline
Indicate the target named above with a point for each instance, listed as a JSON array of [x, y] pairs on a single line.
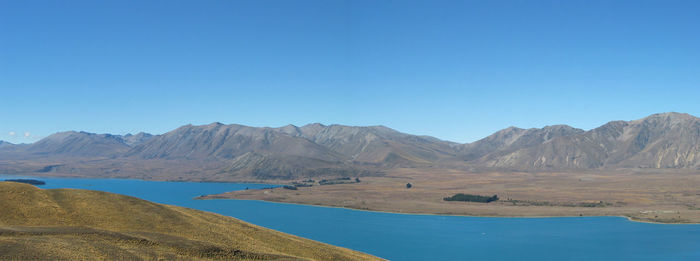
[[661, 198], [213, 197], [388, 234], [380, 198]]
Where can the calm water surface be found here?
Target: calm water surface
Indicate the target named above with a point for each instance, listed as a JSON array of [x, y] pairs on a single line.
[[426, 237]]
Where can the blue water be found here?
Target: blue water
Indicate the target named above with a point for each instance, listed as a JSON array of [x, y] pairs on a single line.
[[426, 237]]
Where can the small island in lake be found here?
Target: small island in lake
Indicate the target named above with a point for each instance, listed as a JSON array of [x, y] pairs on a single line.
[[28, 181]]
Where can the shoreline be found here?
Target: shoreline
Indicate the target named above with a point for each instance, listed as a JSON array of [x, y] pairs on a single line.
[[660, 198], [340, 196], [452, 215], [31, 175]]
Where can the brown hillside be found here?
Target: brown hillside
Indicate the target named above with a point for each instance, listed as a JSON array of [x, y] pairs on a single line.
[[72, 224]]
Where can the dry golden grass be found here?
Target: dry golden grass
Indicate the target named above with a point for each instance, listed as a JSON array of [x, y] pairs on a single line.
[[668, 197], [71, 224]]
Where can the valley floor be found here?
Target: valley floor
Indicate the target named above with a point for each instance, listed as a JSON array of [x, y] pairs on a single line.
[[663, 197]]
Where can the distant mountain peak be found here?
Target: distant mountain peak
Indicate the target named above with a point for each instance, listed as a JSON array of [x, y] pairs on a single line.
[[80, 143], [141, 133], [138, 138], [673, 117], [382, 128], [314, 125], [671, 114], [558, 127]]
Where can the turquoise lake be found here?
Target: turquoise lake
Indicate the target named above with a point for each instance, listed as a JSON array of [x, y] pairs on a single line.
[[425, 237]]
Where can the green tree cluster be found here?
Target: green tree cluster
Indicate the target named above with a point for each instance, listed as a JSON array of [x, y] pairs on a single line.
[[471, 198]]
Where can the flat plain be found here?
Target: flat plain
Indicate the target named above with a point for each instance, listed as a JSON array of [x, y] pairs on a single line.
[[654, 196]]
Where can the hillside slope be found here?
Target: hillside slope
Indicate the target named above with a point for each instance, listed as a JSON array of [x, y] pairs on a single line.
[[659, 141], [71, 224], [254, 153], [512, 139], [376, 145]]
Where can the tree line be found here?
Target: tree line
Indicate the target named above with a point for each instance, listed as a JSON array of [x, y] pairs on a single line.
[[471, 198]]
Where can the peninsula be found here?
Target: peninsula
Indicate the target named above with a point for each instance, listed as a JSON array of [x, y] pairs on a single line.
[[662, 197]]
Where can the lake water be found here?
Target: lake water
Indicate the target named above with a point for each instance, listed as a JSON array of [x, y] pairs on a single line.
[[425, 237]]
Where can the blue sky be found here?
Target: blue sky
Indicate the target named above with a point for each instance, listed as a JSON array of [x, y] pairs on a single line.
[[456, 70]]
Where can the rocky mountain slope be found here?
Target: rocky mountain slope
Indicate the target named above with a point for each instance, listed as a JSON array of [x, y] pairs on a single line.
[[669, 140], [236, 152], [512, 139], [374, 144]]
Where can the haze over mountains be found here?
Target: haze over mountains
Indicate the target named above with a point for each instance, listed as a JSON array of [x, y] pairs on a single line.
[[5, 144], [236, 152]]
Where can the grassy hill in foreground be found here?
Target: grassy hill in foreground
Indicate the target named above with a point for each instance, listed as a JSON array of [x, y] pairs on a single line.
[[75, 224]]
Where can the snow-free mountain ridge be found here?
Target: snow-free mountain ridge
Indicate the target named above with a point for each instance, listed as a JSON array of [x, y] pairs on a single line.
[[236, 152]]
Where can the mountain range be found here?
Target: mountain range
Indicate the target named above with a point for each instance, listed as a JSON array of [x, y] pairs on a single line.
[[235, 152]]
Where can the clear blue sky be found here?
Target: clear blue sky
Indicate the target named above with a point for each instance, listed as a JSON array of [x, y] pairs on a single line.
[[456, 70]]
